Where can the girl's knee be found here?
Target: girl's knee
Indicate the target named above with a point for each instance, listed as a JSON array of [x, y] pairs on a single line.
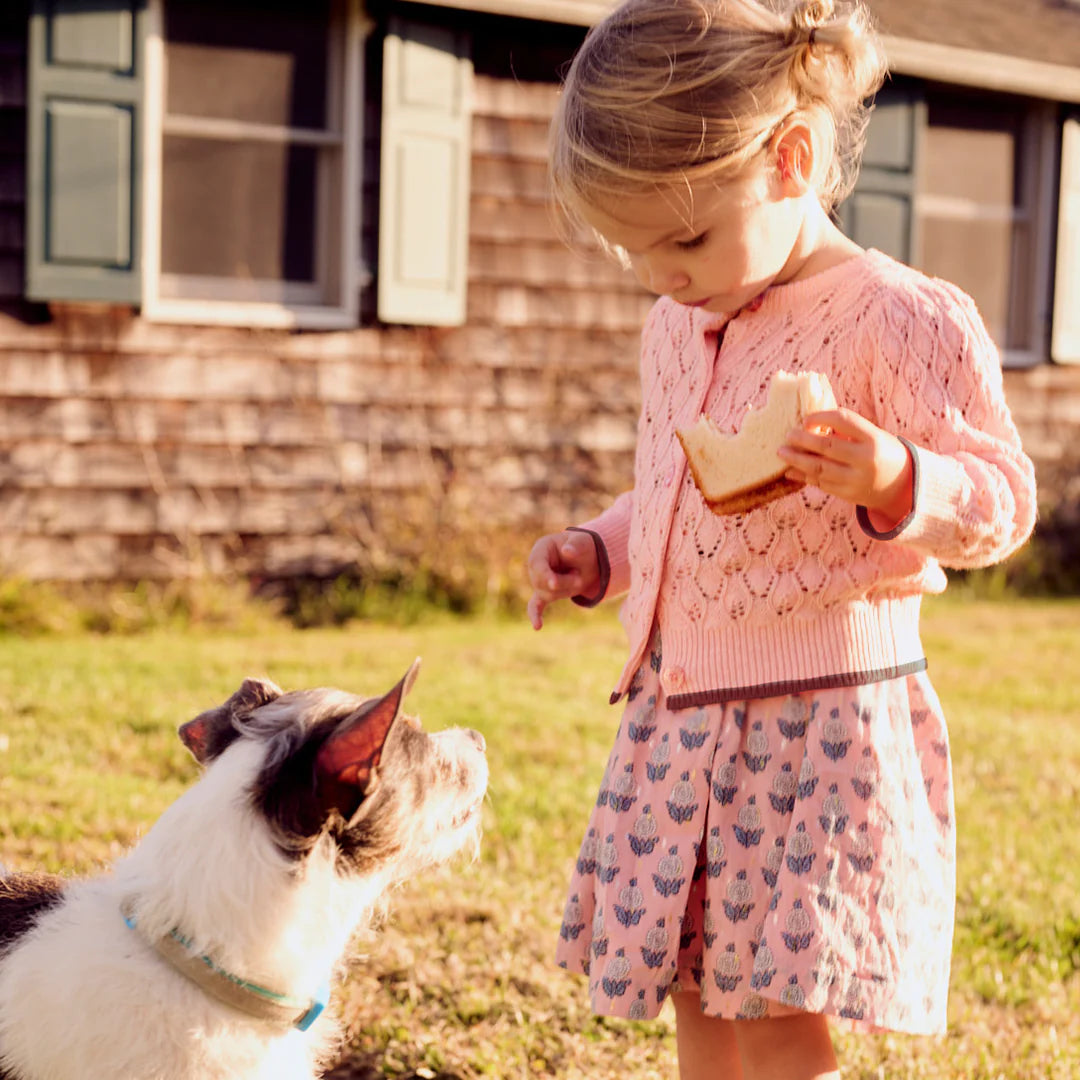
[[706, 1044], [797, 1046]]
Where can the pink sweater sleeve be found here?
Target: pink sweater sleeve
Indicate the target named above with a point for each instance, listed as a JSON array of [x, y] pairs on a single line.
[[936, 382], [612, 528]]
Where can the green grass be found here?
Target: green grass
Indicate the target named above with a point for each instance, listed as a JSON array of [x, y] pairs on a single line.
[[460, 982]]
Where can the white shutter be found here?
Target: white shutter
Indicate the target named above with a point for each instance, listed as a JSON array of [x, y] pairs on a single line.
[[424, 178], [1065, 342]]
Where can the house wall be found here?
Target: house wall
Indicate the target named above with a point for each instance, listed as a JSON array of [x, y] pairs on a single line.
[[134, 450], [129, 449]]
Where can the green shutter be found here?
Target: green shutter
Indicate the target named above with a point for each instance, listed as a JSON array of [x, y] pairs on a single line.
[[880, 212], [1065, 341], [424, 178], [83, 156]]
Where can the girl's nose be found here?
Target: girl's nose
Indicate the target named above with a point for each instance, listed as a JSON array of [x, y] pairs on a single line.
[[661, 278]]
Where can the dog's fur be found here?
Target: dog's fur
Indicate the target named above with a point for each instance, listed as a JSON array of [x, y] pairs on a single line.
[[311, 805]]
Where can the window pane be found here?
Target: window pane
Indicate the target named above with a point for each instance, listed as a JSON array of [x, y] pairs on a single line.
[[972, 214], [977, 256], [260, 61], [971, 152], [242, 210]]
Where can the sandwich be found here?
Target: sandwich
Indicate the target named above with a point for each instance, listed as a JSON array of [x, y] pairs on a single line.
[[741, 472]]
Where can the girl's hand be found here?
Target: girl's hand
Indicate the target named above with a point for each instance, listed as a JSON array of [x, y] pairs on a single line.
[[561, 565], [846, 455]]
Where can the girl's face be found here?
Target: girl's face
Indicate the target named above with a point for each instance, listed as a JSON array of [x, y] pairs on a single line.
[[711, 246]]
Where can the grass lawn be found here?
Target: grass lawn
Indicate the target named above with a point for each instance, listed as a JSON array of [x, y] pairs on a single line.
[[460, 983]]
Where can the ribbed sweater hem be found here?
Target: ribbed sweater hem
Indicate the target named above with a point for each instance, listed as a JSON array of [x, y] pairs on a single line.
[[857, 640]]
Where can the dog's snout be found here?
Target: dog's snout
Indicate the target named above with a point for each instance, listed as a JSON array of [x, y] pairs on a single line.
[[479, 739]]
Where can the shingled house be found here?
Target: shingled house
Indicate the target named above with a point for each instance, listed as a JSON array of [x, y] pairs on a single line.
[[280, 290]]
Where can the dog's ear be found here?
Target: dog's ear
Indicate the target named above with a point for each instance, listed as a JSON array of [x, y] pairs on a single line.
[[211, 732], [346, 766]]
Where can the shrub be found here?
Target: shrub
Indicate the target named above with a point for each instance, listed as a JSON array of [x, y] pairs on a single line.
[[30, 607]]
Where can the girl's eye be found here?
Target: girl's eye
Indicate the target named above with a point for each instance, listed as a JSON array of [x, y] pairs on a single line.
[[689, 245]]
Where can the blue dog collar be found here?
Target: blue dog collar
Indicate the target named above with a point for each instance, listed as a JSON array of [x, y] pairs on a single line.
[[318, 1004], [240, 994]]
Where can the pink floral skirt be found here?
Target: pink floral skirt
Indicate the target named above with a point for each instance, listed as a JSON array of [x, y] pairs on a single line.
[[789, 853]]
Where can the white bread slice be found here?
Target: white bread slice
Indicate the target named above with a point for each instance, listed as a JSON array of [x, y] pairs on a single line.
[[741, 472]]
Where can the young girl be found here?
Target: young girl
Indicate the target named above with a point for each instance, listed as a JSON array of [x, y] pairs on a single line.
[[773, 842]]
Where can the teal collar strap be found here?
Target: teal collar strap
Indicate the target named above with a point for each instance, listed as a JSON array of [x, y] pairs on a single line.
[[247, 997]]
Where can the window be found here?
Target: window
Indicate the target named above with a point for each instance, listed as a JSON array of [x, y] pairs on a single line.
[[201, 159], [962, 185], [983, 213], [252, 186]]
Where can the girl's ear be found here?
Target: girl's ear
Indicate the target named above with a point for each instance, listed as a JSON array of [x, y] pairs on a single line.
[[794, 156]]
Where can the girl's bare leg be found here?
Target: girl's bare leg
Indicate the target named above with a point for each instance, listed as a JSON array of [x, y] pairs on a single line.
[[707, 1046], [787, 1048], [796, 1047]]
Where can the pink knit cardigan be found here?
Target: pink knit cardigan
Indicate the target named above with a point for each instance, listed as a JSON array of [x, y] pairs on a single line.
[[804, 593]]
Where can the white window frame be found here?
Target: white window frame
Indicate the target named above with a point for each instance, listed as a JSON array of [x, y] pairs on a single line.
[[1038, 159], [270, 303]]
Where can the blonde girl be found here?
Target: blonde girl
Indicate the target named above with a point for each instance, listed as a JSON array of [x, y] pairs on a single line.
[[773, 841]]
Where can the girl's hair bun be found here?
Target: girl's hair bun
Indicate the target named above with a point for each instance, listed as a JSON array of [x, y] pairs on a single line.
[[675, 91], [837, 64], [808, 15]]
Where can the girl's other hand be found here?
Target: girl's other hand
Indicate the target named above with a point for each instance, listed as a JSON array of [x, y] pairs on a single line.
[[561, 565], [846, 455]]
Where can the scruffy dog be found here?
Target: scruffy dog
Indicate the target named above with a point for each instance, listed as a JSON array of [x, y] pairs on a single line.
[[205, 953]]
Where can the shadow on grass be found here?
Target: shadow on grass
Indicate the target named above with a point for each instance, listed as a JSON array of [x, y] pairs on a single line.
[[367, 1068]]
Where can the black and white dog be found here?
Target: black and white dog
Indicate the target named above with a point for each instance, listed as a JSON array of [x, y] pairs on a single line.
[[205, 954]]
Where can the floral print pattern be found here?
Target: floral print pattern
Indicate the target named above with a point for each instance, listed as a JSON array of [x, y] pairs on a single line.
[[792, 853]]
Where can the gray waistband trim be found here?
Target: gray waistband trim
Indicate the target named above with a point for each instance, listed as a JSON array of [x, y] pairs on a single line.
[[792, 686]]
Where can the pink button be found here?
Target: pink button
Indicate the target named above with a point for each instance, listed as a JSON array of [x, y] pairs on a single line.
[[675, 677]]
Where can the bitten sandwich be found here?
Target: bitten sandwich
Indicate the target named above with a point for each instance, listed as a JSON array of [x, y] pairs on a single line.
[[740, 472]]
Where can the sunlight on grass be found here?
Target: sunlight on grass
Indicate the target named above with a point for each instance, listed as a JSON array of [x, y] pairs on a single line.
[[461, 984]]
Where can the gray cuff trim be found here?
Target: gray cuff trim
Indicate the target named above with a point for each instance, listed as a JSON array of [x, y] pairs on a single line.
[[602, 562], [862, 515]]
